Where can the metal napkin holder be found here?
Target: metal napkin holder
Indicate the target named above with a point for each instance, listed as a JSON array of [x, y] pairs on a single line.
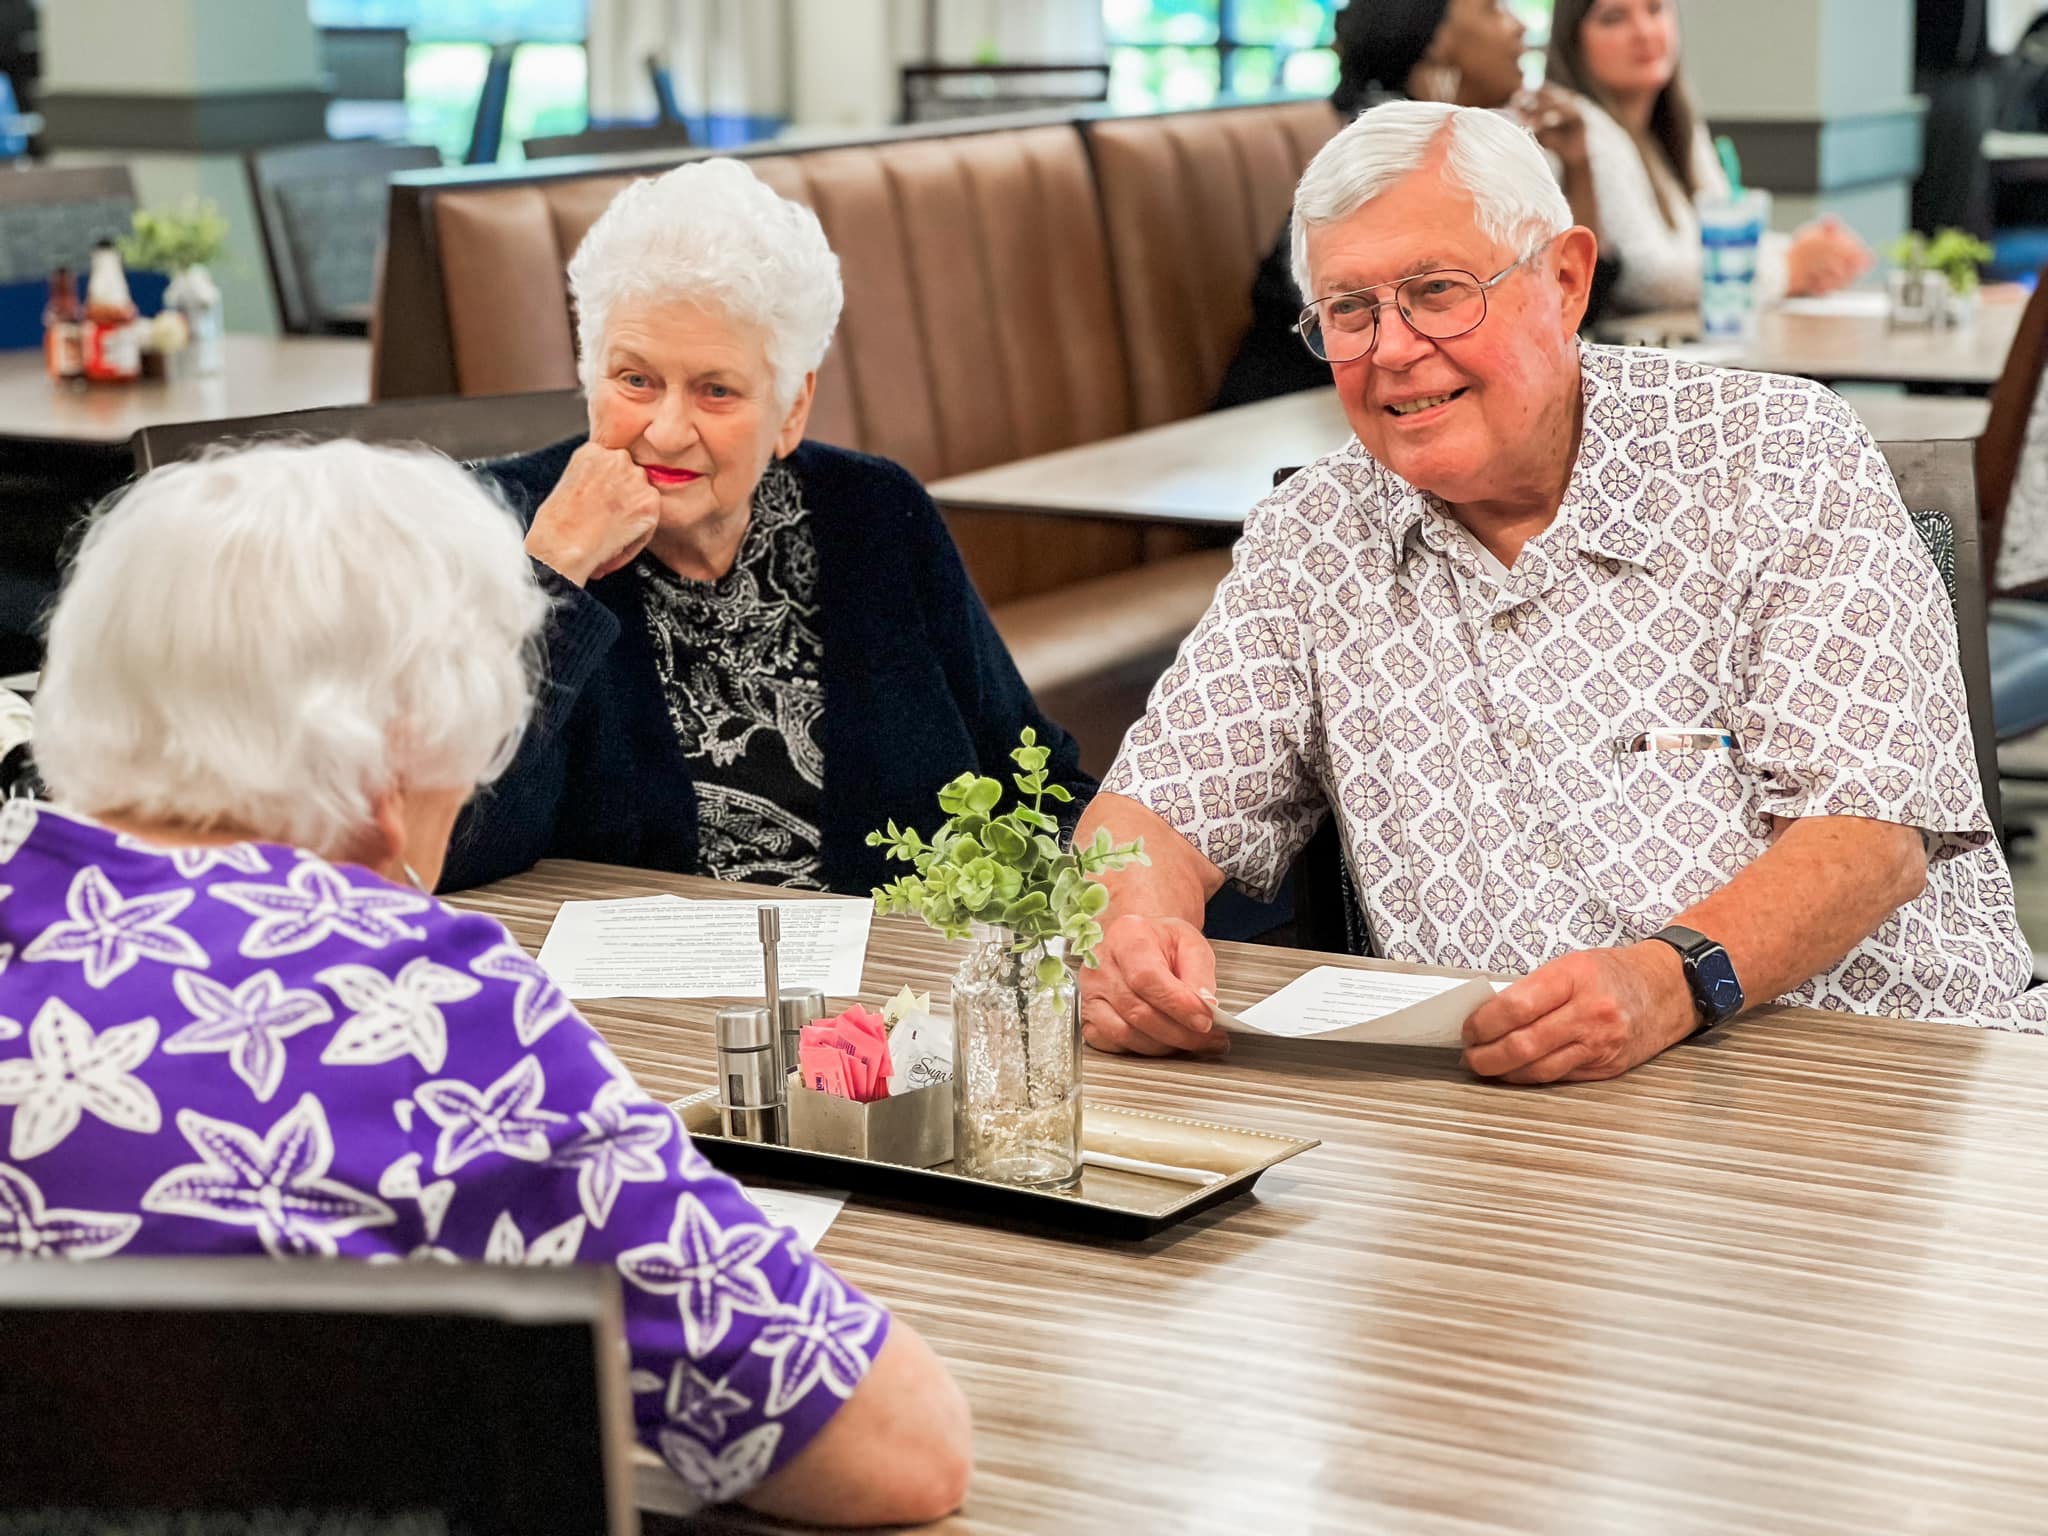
[[914, 1129]]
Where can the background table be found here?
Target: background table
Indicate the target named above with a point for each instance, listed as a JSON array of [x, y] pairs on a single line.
[[1846, 338], [63, 448], [262, 375], [1788, 1280], [1210, 470]]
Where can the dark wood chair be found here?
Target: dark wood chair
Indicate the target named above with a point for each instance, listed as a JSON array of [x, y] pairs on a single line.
[[465, 427], [320, 208], [2005, 427], [1937, 483], [632, 138], [418, 1396]]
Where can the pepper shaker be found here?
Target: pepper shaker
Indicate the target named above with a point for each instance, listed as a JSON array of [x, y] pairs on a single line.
[[752, 1102]]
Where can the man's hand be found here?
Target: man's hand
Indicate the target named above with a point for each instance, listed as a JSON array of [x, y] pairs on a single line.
[[1143, 997], [1583, 1017], [598, 518]]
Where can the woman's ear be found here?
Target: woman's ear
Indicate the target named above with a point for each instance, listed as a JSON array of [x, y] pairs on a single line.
[[799, 417]]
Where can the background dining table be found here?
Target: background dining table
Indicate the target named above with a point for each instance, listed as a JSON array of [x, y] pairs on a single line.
[[1786, 1279], [1208, 471]]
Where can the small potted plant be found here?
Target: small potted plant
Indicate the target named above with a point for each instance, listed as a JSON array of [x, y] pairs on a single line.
[[185, 241], [1024, 903], [1934, 281], [1958, 256]]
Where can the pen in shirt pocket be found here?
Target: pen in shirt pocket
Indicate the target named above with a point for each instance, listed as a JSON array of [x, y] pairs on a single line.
[[1699, 739]]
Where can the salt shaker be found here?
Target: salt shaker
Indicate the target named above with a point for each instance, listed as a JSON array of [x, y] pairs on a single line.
[[751, 1099]]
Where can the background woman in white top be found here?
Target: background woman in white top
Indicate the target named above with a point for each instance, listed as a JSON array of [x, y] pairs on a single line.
[[1649, 155]]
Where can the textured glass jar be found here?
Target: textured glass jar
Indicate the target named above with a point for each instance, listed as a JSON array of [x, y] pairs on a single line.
[[1016, 1065]]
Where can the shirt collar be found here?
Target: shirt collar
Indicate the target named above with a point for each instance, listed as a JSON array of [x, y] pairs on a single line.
[[1600, 499]]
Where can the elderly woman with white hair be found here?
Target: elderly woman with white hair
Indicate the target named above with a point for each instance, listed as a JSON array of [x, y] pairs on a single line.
[[763, 647], [233, 1022]]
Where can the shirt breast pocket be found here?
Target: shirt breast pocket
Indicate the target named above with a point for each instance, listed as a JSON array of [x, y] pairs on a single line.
[[1692, 802]]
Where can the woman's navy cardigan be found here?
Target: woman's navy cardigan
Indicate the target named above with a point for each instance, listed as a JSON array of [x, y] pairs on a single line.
[[918, 688]]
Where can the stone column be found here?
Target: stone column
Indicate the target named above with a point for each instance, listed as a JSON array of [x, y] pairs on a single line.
[[179, 89], [1817, 95]]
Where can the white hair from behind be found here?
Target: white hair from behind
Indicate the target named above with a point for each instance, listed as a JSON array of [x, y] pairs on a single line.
[[712, 233], [264, 640], [1495, 160]]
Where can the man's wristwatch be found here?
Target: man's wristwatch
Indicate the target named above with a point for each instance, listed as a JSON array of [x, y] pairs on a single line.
[[1709, 975]]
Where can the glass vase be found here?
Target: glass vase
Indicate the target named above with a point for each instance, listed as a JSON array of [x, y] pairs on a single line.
[[1016, 1063]]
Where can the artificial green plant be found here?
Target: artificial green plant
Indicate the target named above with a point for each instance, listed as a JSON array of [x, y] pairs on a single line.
[[1956, 254], [1008, 870], [193, 234]]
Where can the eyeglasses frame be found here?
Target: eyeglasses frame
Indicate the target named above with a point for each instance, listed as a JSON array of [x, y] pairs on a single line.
[[1484, 286]]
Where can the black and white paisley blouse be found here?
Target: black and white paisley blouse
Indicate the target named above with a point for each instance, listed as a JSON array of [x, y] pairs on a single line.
[[740, 666]]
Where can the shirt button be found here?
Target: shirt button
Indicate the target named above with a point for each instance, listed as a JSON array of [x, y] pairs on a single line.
[[1552, 856], [1502, 623], [1520, 736]]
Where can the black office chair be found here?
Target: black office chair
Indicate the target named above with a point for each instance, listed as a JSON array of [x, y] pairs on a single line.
[[320, 208], [1938, 483], [180, 1393]]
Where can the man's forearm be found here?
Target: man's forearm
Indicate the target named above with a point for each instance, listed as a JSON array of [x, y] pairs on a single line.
[[1177, 883], [1823, 887]]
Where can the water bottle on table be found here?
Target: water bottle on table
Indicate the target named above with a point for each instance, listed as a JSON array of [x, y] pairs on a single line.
[[1731, 247]]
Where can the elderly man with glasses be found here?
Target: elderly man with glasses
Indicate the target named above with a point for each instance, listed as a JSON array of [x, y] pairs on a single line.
[[1620, 674]]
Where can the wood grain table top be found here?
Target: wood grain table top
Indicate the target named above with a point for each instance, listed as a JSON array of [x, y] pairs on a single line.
[[1211, 470], [261, 375], [1793, 1279], [1848, 338]]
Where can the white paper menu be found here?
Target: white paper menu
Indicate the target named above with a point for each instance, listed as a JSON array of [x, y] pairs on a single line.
[[1371, 1007], [673, 947]]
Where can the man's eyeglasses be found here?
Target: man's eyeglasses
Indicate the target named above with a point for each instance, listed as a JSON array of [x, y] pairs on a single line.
[[1439, 305]]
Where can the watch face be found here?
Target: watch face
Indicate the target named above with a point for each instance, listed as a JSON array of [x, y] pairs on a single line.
[[1715, 986]]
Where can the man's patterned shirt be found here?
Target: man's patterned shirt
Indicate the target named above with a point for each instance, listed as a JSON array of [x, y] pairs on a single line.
[[1731, 555]]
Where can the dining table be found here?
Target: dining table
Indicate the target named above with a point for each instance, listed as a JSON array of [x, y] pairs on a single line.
[[1847, 338], [259, 376], [1791, 1277], [63, 446], [1210, 470]]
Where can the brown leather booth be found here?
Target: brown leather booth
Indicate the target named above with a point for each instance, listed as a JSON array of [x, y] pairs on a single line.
[[1013, 286]]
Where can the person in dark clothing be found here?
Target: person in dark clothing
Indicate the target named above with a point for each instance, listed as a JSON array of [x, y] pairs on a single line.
[[762, 648], [1467, 51]]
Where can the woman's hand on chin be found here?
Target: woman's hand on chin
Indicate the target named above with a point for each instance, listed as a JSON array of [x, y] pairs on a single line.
[[598, 518]]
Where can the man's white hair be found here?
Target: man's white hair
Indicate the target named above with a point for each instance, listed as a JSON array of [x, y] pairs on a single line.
[[266, 639], [712, 233], [1493, 159]]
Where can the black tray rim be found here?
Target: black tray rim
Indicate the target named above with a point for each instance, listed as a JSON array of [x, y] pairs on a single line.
[[1059, 1213]]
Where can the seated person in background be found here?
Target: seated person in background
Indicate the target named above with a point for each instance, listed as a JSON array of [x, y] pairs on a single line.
[[1467, 51], [1650, 156], [762, 647], [1580, 643], [233, 1022]]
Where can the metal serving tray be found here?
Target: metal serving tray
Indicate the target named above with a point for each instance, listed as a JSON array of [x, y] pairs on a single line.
[[1110, 1202]]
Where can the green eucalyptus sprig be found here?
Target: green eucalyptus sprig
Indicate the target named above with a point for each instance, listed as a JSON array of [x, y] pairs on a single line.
[[1008, 870]]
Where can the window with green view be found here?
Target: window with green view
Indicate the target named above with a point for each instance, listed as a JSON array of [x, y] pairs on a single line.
[[448, 50]]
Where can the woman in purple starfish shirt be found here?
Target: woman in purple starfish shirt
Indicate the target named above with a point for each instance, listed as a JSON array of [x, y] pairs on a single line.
[[233, 1022]]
